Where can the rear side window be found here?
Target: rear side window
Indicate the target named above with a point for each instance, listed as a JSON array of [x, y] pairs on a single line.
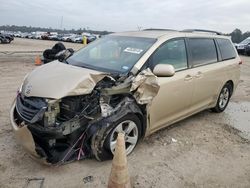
[[226, 49], [203, 51]]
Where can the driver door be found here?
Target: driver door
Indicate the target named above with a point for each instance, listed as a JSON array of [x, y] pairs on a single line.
[[174, 97]]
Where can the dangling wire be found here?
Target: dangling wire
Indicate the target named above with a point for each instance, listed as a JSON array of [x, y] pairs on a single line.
[[80, 149]]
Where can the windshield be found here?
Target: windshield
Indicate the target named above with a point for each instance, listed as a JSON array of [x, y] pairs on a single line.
[[112, 53], [246, 41]]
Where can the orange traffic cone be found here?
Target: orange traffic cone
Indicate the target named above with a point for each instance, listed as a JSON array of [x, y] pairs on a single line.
[[119, 177], [38, 61]]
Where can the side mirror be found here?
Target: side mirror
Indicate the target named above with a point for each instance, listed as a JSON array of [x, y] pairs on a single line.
[[164, 70]]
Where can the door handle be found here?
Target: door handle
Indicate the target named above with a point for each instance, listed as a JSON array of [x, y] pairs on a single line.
[[188, 77], [198, 75]]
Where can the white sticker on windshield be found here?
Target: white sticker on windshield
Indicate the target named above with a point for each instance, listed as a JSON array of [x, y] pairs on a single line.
[[133, 50], [125, 67]]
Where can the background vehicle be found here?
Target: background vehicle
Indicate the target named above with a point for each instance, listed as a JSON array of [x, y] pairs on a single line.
[[53, 37], [70, 37], [24, 35], [59, 37], [76, 38], [66, 37], [17, 34], [91, 38], [247, 50], [241, 47], [3, 40], [38, 36], [6, 38]]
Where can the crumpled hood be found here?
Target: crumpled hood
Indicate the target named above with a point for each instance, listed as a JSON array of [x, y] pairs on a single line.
[[56, 80]]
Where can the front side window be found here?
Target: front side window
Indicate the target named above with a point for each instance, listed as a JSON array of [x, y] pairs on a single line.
[[172, 52], [116, 54], [226, 49], [203, 51]]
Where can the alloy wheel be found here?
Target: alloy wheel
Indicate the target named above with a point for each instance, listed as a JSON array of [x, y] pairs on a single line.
[[224, 97], [130, 130]]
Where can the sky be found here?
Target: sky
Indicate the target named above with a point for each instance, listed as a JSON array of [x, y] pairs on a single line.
[[127, 15]]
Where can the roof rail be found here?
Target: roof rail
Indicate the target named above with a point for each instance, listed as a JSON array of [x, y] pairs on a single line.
[[201, 30], [156, 29]]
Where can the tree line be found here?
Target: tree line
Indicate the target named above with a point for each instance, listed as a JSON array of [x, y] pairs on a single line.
[[29, 29], [237, 35]]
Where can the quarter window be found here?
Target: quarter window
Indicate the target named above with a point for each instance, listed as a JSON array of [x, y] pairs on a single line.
[[203, 51], [172, 52], [226, 49]]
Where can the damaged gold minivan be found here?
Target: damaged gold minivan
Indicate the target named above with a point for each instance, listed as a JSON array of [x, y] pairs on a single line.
[[131, 82]]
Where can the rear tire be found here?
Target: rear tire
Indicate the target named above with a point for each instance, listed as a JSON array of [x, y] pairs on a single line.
[[223, 98]]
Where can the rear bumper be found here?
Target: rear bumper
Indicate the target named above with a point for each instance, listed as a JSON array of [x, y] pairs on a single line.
[[241, 51]]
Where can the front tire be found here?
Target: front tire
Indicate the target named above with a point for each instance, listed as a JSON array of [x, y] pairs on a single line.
[[103, 148], [223, 98]]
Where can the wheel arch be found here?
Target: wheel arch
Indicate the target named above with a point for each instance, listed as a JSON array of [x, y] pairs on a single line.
[[232, 86], [143, 121], [98, 131]]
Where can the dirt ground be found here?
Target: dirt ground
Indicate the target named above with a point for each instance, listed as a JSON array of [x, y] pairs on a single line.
[[209, 152]]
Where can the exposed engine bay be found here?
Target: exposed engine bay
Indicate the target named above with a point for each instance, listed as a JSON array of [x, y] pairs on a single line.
[[63, 128]]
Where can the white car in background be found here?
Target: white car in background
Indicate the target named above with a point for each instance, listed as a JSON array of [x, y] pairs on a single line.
[[67, 37], [77, 38], [241, 47]]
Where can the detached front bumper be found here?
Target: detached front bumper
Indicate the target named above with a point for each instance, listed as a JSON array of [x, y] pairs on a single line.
[[24, 136]]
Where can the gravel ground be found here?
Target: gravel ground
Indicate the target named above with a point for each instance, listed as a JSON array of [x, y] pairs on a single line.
[[205, 150]]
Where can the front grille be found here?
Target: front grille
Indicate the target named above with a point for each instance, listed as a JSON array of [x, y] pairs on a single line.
[[30, 109]]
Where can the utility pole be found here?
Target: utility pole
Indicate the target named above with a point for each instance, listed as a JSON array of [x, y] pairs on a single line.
[[61, 25], [139, 28]]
